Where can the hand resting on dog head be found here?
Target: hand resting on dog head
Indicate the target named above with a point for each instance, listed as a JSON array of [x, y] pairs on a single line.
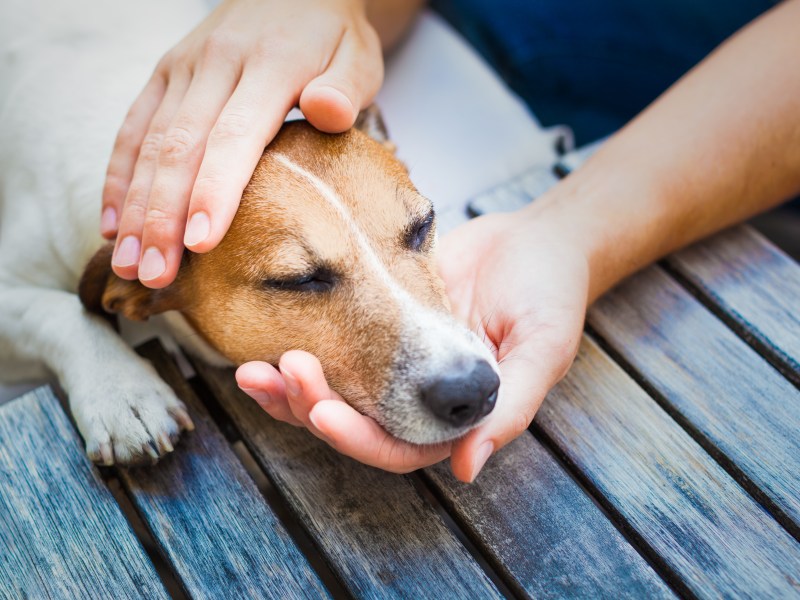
[[330, 253]]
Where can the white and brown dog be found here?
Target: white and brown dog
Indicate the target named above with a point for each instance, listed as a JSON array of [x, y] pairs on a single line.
[[331, 252]]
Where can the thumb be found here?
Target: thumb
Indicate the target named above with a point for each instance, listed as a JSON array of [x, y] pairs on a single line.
[[525, 380], [332, 100]]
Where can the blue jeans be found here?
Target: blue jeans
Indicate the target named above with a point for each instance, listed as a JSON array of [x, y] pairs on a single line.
[[595, 64]]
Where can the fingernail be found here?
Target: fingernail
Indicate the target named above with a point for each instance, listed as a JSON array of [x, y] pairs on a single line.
[[127, 253], [108, 220], [292, 386], [319, 433], [260, 396], [197, 229], [313, 418], [153, 264], [481, 456]]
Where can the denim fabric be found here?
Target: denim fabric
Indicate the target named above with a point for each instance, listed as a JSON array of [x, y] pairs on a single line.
[[594, 64]]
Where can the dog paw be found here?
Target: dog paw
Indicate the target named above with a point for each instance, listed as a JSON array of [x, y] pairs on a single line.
[[130, 422]]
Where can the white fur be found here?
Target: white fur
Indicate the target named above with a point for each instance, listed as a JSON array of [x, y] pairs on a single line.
[[436, 342], [68, 72]]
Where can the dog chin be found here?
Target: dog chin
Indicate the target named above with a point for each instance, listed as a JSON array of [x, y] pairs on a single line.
[[420, 429]]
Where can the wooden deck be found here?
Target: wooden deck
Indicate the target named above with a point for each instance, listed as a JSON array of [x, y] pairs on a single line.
[[666, 463]]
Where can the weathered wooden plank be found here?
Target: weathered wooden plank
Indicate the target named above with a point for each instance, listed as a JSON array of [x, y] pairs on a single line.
[[375, 530], [542, 532], [208, 516], [697, 521], [744, 410], [61, 532], [754, 287]]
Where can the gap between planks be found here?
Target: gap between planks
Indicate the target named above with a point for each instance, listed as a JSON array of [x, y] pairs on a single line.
[[667, 575], [781, 362], [301, 538], [708, 445], [294, 524]]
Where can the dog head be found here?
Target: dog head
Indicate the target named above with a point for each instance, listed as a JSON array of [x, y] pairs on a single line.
[[332, 252]]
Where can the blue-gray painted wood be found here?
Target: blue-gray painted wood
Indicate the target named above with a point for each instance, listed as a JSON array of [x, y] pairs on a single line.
[[742, 408], [697, 521], [543, 533], [374, 529], [212, 523], [754, 287], [62, 534]]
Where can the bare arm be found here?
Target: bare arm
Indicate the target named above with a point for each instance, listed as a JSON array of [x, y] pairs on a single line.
[[720, 146]]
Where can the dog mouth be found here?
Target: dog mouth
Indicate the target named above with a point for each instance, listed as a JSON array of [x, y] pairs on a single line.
[[430, 403]]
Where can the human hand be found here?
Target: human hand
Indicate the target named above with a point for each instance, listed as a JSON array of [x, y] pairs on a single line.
[[515, 280], [194, 135], [521, 283]]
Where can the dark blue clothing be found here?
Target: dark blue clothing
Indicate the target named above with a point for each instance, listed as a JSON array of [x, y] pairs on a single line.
[[595, 64]]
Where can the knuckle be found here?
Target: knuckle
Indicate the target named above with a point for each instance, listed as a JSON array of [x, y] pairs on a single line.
[[564, 354], [220, 45], [136, 200], [521, 422], [165, 64], [115, 187], [131, 220], [156, 216], [126, 134], [150, 147], [178, 144], [233, 123], [268, 49], [160, 223]]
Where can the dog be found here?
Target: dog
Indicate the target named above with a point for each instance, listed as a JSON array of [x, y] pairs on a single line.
[[332, 251]]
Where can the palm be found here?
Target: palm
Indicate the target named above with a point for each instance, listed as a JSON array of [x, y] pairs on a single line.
[[523, 289], [518, 285]]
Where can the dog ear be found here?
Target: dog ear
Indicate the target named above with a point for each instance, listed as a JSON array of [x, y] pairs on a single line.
[[102, 292], [370, 121]]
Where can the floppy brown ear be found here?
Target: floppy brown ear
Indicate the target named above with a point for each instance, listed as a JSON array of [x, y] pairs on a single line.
[[370, 121], [102, 292]]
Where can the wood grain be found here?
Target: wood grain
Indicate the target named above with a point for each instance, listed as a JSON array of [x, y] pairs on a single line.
[[746, 412], [61, 532], [542, 531], [373, 527], [698, 523], [212, 523], [754, 287]]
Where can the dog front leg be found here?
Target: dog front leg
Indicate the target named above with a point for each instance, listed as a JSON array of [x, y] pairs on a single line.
[[125, 412]]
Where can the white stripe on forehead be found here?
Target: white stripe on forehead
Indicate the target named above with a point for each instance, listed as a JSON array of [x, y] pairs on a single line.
[[442, 337], [366, 249]]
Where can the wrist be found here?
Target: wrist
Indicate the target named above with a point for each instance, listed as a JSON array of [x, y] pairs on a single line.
[[602, 218]]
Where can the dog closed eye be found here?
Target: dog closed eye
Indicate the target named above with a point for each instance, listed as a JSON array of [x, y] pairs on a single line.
[[418, 233], [318, 281]]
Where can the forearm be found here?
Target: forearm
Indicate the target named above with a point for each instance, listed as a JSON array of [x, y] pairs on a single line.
[[392, 18], [721, 145]]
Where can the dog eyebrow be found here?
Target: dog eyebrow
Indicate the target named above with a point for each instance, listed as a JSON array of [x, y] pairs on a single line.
[[367, 251], [411, 200]]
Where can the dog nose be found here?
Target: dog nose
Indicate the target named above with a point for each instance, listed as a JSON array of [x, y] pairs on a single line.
[[464, 394]]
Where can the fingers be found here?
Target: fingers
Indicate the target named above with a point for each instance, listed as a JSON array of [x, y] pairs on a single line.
[[332, 100], [264, 384], [125, 260], [181, 151], [362, 439], [311, 402], [187, 150], [250, 119], [125, 153], [305, 384]]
